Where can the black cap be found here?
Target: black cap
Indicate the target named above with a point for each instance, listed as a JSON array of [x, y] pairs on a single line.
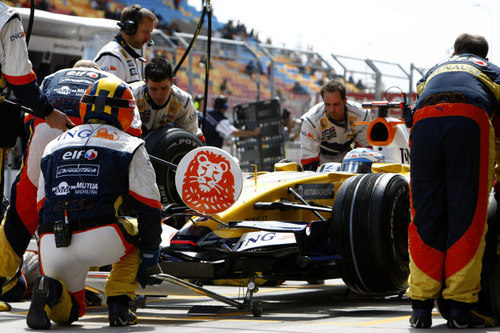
[[220, 103]]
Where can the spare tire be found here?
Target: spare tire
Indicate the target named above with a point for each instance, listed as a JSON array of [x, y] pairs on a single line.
[[169, 144], [369, 228], [489, 297]]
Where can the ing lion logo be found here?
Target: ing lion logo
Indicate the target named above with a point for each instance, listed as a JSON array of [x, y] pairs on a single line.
[[209, 184]]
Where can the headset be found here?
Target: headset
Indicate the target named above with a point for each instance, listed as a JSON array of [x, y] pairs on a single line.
[[129, 27]]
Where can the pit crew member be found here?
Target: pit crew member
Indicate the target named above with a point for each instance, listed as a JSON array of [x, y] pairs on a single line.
[[120, 56], [161, 103], [452, 159], [84, 174], [329, 128], [217, 126], [64, 90], [16, 72]]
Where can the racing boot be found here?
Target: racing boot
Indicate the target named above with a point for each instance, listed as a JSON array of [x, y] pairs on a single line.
[[463, 315], [119, 311], [46, 294], [421, 315], [14, 290], [3, 305], [91, 298], [443, 306]]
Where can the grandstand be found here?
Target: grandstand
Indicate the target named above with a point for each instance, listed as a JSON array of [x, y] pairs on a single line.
[[245, 69]]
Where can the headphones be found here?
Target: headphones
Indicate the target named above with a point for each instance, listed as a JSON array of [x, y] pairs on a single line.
[[129, 27]]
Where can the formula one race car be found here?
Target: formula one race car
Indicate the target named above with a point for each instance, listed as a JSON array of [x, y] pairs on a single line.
[[292, 225], [286, 224]]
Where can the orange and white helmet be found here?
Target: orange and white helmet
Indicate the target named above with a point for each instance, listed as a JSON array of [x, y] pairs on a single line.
[[110, 100]]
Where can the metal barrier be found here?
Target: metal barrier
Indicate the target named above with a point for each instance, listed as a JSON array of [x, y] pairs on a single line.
[[305, 71], [228, 57], [378, 76], [271, 70], [421, 72]]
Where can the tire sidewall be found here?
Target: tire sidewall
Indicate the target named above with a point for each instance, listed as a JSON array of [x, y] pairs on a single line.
[[370, 233], [171, 145]]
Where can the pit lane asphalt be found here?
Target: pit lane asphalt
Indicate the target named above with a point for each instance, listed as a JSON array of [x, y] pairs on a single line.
[[292, 307]]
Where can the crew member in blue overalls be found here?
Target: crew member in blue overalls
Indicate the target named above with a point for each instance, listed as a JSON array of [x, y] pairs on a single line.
[[452, 160]]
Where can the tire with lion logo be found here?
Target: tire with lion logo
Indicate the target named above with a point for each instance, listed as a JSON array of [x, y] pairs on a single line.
[[169, 144], [369, 228]]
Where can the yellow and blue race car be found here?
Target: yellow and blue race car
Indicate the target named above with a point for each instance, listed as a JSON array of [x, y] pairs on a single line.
[[338, 222]]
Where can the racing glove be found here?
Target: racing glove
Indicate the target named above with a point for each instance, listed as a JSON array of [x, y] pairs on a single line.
[[149, 266]]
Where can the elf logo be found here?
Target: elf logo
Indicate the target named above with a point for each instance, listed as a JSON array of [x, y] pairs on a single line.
[[78, 154]]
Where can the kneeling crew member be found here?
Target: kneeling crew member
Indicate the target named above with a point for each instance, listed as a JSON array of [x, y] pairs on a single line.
[[63, 89], [84, 174], [16, 72]]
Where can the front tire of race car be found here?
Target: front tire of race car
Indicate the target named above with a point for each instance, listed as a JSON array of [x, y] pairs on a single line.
[[171, 145], [369, 228]]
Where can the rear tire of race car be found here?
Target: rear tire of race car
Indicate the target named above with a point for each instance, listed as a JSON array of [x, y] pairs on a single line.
[[369, 228], [171, 145]]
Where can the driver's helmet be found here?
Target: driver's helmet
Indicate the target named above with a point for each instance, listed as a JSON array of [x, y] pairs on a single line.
[[360, 160]]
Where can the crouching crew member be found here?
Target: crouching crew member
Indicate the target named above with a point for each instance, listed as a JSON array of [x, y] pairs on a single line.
[[64, 90], [16, 72], [84, 174]]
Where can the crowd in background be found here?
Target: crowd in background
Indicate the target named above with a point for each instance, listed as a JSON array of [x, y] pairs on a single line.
[[306, 64]]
